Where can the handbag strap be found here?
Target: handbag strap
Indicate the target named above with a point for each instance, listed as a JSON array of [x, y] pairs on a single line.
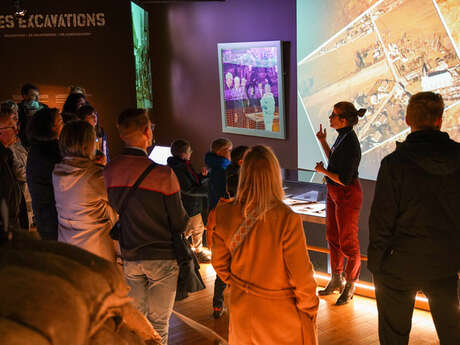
[[244, 229], [135, 186]]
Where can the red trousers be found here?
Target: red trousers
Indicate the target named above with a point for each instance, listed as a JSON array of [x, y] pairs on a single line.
[[343, 205]]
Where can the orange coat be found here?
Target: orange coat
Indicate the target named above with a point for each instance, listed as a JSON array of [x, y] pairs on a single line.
[[273, 293]]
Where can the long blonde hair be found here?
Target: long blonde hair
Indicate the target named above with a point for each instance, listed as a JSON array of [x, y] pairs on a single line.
[[260, 186]]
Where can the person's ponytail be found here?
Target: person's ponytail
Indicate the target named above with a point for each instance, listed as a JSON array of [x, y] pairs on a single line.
[[361, 112]]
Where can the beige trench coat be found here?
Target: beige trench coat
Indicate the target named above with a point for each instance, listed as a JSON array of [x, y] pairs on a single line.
[[272, 290], [84, 214]]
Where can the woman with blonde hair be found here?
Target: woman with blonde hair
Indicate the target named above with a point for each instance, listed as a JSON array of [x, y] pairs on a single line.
[[259, 249], [85, 216]]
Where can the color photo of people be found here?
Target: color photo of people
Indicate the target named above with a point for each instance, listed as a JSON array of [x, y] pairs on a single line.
[[250, 90], [140, 20]]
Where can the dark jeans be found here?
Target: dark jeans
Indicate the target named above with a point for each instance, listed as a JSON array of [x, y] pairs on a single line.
[[218, 298], [50, 236], [47, 231], [23, 214], [395, 303]]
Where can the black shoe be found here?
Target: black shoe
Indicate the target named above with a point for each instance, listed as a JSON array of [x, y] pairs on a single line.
[[335, 284], [347, 294], [218, 312]]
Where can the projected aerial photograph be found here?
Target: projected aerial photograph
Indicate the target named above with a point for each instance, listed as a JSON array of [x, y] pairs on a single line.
[[450, 10], [389, 52]]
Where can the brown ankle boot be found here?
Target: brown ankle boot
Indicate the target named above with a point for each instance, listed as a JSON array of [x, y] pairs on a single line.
[[335, 284], [347, 294]]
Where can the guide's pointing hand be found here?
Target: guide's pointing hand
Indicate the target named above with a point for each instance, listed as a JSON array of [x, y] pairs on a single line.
[[321, 134], [320, 167]]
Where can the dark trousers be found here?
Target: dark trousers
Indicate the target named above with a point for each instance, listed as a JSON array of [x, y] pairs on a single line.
[[343, 205], [395, 303], [47, 231], [49, 236], [23, 214], [218, 298]]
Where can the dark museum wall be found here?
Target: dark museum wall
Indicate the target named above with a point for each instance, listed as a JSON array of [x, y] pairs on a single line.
[[59, 47], [184, 39]]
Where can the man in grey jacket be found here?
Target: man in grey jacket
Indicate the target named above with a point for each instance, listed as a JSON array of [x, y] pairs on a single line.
[[415, 227]]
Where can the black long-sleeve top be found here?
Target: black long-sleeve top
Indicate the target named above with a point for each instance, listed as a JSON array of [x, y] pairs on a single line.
[[345, 156], [43, 155], [193, 186]]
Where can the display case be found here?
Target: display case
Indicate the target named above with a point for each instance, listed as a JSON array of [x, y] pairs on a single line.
[[305, 193], [305, 198]]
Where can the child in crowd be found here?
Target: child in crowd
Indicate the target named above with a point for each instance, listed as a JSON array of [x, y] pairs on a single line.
[[193, 189], [217, 161], [233, 170], [232, 175]]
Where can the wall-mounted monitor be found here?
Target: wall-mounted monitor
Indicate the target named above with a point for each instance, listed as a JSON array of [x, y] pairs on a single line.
[[251, 88]]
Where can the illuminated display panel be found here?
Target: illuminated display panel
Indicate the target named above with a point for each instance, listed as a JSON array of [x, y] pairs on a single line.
[[251, 88], [140, 21]]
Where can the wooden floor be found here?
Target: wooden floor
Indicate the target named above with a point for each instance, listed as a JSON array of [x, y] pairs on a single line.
[[351, 324]]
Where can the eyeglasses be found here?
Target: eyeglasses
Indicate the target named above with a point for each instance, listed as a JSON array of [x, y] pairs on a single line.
[[152, 127], [12, 127], [334, 115]]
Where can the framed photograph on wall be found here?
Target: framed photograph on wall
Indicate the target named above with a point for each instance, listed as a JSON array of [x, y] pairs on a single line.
[[251, 88]]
